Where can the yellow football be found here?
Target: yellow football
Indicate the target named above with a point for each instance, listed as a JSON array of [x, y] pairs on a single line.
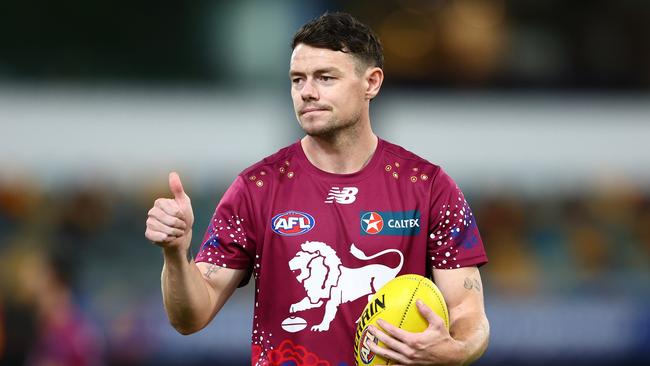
[[395, 303]]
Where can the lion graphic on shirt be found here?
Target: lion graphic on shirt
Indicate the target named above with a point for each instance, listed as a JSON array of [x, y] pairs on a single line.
[[327, 282]]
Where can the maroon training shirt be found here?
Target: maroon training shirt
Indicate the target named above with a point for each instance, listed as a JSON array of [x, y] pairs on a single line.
[[320, 244]]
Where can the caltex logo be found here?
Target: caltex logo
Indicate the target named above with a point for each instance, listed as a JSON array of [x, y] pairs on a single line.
[[372, 222], [390, 223]]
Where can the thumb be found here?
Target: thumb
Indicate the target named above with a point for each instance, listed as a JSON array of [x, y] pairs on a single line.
[[432, 318], [176, 186]]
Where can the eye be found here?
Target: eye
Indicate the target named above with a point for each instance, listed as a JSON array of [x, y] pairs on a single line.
[[326, 78]]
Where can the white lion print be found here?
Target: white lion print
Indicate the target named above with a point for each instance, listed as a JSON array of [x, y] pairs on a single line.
[[328, 282]]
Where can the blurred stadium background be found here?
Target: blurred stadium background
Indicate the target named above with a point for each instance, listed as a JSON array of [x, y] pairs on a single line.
[[540, 110]]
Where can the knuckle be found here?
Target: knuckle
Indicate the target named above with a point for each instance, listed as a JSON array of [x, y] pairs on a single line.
[[417, 345], [176, 209], [408, 341], [410, 354], [150, 235], [163, 203]]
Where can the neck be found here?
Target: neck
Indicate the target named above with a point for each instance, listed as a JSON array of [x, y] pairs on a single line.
[[340, 154]]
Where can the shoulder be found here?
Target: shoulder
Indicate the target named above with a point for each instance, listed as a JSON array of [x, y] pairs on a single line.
[[403, 161], [270, 168]]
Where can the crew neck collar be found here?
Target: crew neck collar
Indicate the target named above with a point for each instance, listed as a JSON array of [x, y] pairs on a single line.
[[340, 178]]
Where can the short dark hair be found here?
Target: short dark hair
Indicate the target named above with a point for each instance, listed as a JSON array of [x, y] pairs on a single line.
[[340, 31]]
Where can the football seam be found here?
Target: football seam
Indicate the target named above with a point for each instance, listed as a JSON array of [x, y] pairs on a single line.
[[408, 305], [440, 303]]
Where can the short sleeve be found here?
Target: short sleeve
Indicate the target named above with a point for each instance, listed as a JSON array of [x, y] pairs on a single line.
[[454, 240], [228, 240]]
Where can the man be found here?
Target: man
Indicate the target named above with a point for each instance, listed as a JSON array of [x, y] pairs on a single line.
[[325, 222]]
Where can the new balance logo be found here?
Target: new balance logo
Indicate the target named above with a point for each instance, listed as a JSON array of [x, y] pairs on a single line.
[[344, 196]]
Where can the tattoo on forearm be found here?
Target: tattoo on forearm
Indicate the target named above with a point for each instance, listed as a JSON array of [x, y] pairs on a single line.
[[477, 285], [212, 269], [472, 283], [468, 283]]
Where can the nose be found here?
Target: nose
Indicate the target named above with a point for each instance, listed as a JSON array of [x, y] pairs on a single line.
[[309, 91]]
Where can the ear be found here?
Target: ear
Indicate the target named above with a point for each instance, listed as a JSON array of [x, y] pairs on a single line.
[[374, 76]]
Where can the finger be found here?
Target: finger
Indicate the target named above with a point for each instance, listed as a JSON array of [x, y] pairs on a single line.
[[173, 221], [176, 186], [435, 321], [393, 331], [156, 225], [170, 207], [387, 353], [157, 237], [389, 341]]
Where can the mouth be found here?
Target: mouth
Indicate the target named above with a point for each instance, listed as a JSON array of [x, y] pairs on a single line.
[[312, 110], [297, 274]]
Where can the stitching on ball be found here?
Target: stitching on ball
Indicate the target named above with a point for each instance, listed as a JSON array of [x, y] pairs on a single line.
[[408, 306]]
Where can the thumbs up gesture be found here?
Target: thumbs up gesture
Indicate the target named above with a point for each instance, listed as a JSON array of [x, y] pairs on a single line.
[[170, 220]]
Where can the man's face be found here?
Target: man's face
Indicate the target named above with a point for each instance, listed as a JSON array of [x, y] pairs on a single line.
[[327, 91]]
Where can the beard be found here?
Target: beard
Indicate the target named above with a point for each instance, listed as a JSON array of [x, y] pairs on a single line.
[[329, 129]]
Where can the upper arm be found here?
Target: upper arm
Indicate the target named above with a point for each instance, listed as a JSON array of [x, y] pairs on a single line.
[[221, 282], [463, 291]]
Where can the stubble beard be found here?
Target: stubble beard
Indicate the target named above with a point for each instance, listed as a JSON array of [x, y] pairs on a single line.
[[333, 129]]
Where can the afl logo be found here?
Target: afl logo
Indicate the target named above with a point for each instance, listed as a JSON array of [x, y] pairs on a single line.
[[372, 223], [366, 354], [292, 223]]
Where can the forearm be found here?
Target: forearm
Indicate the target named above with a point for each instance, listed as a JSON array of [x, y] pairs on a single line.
[[472, 331], [186, 296]]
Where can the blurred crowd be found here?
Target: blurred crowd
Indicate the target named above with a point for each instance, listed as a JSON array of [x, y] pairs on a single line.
[[77, 276], [595, 241]]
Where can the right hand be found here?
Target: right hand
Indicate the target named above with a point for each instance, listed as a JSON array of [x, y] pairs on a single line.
[[170, 220]]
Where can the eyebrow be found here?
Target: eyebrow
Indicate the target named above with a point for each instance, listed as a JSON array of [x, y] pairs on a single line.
[[324, 70]]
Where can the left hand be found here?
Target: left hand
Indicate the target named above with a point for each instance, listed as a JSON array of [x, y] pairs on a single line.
[[433, 346]]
